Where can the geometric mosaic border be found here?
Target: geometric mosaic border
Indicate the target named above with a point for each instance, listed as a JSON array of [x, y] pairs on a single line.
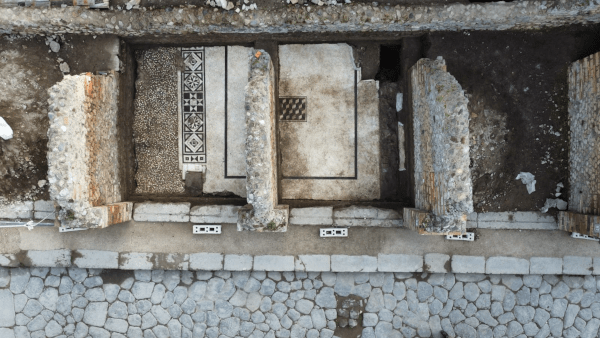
[[292, 108], [193, 114]]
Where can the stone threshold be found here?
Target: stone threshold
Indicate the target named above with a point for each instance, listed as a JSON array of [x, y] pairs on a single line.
[[431, 262]]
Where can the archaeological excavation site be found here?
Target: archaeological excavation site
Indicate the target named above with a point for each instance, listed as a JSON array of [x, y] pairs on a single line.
[[299, 168]]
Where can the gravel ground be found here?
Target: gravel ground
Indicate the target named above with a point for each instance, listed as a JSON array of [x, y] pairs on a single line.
[[42, 302], [155, 123]]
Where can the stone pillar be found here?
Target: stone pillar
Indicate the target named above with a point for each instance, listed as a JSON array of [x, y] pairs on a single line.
[[83, 152], [262, 212], [441, 151], [584, 156]]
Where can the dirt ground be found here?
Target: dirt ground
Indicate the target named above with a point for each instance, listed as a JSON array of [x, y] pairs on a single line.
[[29, 68], [516, 83]]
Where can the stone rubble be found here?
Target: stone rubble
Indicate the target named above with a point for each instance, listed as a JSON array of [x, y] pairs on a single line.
[[59, 302]]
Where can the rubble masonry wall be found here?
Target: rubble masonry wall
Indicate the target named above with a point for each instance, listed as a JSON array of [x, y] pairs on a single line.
[[441, 146], [83, 159]]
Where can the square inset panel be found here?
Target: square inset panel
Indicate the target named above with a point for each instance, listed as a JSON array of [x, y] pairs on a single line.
[[292, 109]]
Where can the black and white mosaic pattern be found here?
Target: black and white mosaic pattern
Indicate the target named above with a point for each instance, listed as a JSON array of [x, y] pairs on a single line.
[[192, 106], [292, 109]]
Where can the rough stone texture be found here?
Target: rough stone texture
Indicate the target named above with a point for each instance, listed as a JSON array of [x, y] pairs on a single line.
[[236, 304], [83, 159], [17, 210], [584, 180], [214, 214], [262, 213], [162, 212], [507, 265], [366, 216], [312, 216], [441, 149]]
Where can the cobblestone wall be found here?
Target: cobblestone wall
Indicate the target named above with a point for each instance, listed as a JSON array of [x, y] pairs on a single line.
[[584, 155], [83, 165], [58, 302], [441, 149]]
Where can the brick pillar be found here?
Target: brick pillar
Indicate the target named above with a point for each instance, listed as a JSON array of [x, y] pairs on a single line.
[[262, 213]]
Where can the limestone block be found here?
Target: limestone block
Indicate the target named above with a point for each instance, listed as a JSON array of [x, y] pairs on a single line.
[[238, 262], [161, 212], [44, 210], [313, 263], [441, 147], [273, 263], [206, 261], [262, 213], [312, 216], [468, 264], [135, 261], [9, 260], [17, 210], [96, 259], [83, 152], [49, 258], [596, 266], [399, 263], [545, 266], [523, 220], [436, 263], [366, 216], [344, 263], [577, 265], [214, 214], [507, 265]]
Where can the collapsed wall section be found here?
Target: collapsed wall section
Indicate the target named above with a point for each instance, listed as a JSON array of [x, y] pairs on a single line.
[[584, 155], [83, 159], [441, 151], [262, 212]]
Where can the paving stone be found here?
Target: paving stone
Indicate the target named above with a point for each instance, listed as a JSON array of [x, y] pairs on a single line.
[[512, 282], [206, 261], [274, 263], [66, 285], [424, 291], [464, 330], [96, 313], [436, 263], [524, 314], [96, 259], [238, 262], [507, 265], [457, 291], [560, 290], [313, 263]]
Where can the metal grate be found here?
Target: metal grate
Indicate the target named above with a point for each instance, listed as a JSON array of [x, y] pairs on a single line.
[[207, 229], [334, 232], [66, 229], [469, 236]]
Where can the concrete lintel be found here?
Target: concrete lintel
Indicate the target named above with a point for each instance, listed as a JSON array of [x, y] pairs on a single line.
[[344, 263], [399, 263], [577, 265], [273, 263], [468, 264], [545, 266], [507, 265], [95, 259]]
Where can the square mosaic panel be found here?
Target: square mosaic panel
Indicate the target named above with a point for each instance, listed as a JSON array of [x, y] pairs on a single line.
[[192, 106], [292, 109]]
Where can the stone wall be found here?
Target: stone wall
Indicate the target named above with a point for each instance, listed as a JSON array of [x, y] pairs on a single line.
[[584, 155], [59, 302], [263, 212], [441, 148], [345, 18], [83, 159]]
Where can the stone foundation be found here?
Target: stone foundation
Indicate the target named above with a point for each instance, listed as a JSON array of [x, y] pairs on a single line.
[[262, 213], [83, 159], [441, 150], [584, 155]]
